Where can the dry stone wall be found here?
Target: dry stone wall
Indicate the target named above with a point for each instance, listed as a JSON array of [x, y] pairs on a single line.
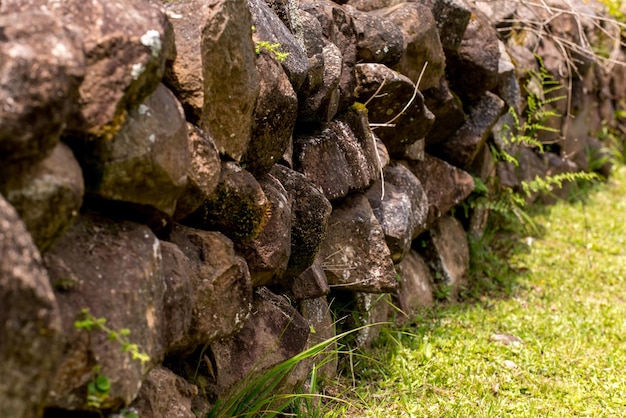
[[211, 174]]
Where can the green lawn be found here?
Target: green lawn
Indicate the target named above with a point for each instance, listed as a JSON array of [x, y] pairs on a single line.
[[565, 317]]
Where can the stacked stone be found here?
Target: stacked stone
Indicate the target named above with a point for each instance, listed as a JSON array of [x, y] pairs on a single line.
[[163, 167]]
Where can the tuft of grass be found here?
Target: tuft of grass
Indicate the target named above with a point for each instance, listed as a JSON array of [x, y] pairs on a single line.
[[553, 346]]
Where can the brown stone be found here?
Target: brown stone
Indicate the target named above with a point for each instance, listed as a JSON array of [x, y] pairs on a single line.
[[421, 43], [392, 100], [446, 251], [84, 268], [309, 222], [274, 333], [164, 394], [124, 42], [222, 290], [203, 172], [145, 164], [268, 254], [31, 339], [238, 207], [41, 65], [337, 159], [445, 185], [47, 195], [231, 80], [274, 117]]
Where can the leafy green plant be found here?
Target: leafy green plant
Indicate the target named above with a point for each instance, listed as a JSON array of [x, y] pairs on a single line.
[[90, 322], [99, 388], [271, 48]]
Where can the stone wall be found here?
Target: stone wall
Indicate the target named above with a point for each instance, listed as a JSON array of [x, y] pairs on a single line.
[[165, 166]]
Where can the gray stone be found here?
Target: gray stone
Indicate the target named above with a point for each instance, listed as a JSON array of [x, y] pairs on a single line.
[[415, 288], [238, 208], [317, 312], [203, 172], [508, 84], [287, 11], [462, 148], [320, 93], [401, 211], [164, 394], [446, 252], [30, 326], [445, 185], [268, 254], [338, 28], [421, 43], [309, 222], [85, 268], [47, 195], [311, 284], [354, 254], [179, 292], [268, 27], [448, 111], [274, 333], [452, 17], [313, 44], [222, 289], [145, 164], [473, 68], [274, 117], [231, 80], [378, 39], [397, 104], [124, 46], [336, 159]]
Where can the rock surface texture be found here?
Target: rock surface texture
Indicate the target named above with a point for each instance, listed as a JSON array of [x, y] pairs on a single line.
[[191, 190]]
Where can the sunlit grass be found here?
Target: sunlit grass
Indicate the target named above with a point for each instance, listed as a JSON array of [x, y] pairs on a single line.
[[568, 308]]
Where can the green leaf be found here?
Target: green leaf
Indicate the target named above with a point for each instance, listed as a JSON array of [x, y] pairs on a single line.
[[102, 384]]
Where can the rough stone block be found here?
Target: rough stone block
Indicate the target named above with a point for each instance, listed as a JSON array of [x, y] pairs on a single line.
[[31, 340], [268, 254], [445, 185], [231, 80], [84, 268], [47, 195], [389, 104], [421, 43], [41, 66], [446, 251], [309, 222], [461, 149], [203, 172], [222, 289], [354, 254], [415, 288], [145, 165], [238, 208]]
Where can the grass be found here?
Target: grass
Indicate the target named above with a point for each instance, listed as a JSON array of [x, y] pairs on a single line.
[[561, 308]]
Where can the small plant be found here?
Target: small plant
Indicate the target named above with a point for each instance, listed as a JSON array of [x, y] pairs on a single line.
[[99, 389], [271, 48], [90, 322]]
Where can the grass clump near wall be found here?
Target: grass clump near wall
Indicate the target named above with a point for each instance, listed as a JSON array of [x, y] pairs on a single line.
[[550, 343]]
